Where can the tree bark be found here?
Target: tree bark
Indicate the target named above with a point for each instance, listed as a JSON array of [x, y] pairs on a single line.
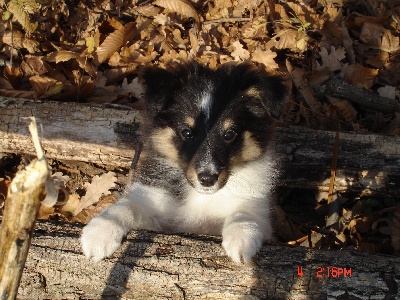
[[26, 192], [16, 230], [150, 265], [108, 134]]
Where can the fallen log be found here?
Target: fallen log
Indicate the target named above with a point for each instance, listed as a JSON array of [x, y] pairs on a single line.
[[107, 135], [151, 265], [338, 87]]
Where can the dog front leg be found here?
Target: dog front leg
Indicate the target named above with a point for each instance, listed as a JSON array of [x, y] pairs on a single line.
[[140, 208], [243, 234]]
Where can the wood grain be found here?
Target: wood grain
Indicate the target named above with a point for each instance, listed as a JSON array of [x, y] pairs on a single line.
[[151, 265], [107, 135]]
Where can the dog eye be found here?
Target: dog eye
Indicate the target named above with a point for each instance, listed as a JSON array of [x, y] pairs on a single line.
[[187, 134], [229, 135]]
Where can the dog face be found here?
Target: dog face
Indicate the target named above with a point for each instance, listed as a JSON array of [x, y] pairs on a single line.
[[207, 121]]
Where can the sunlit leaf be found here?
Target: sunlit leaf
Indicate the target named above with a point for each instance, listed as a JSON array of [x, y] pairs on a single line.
[[181, 7], [114, 41]]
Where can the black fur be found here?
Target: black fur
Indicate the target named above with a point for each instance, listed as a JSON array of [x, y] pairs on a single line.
[[173, 94]]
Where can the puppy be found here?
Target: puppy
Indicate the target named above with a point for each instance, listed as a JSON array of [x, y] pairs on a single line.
[[208, 163]]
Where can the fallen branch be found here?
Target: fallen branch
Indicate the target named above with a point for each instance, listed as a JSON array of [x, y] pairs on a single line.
[[158, 266], [338, 87], [27, 190], [107, 135]]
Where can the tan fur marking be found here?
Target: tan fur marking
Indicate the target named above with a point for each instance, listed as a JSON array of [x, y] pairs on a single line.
[[227, 124], [254, 92], [190, 121], [162, 141], [251, 150]]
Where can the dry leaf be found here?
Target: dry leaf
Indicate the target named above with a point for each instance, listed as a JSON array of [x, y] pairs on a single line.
[[5, 84], [55, 89], [33, 66], [379, 37], [21, 10], [18, 94], [288, 231], [86, 215], [348, 45], [300, 81], [193, 42], [239, 53], [265, 57], [70, 206], [345, 110], [90, 42], [115, 40], [378, 61], [161, 19], [304, 13], [14, 38], [359, 75], [390, 42], [331, 60], [116, 60], [387, 91], [99, 186], [134, 88], [147, 10], [13, 75], [42, 84], [356, 20], [289, 39], [181, 7], [318, 77], [371, 34], [62, 55], [45, 212]]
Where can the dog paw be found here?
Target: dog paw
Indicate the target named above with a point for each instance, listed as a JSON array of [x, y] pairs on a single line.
[[101, 238], [242, 241]]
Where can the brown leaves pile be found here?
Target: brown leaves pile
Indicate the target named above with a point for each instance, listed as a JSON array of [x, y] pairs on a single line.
[[62, 51]]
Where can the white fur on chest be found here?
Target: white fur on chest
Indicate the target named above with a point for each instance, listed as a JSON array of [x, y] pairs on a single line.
[[247, 190], [240, 212]]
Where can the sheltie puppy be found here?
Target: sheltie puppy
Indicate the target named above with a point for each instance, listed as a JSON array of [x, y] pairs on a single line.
[[207, 165]]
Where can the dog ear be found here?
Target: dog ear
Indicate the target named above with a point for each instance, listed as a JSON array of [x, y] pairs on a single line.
[[274, 90], [270, 89], [159, 85]]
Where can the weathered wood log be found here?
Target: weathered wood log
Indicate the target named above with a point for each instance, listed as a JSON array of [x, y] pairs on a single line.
[[26, 192], [151, 265], [106, 135]]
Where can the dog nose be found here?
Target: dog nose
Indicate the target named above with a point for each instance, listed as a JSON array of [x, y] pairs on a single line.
[[207, 179]]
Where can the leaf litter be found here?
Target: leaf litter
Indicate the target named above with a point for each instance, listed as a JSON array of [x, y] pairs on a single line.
[[93, 51]]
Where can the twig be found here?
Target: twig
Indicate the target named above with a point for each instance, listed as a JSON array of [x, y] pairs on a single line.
[[338, 87], [334, 165], [227, 20], [21, 207], [314, 230]]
